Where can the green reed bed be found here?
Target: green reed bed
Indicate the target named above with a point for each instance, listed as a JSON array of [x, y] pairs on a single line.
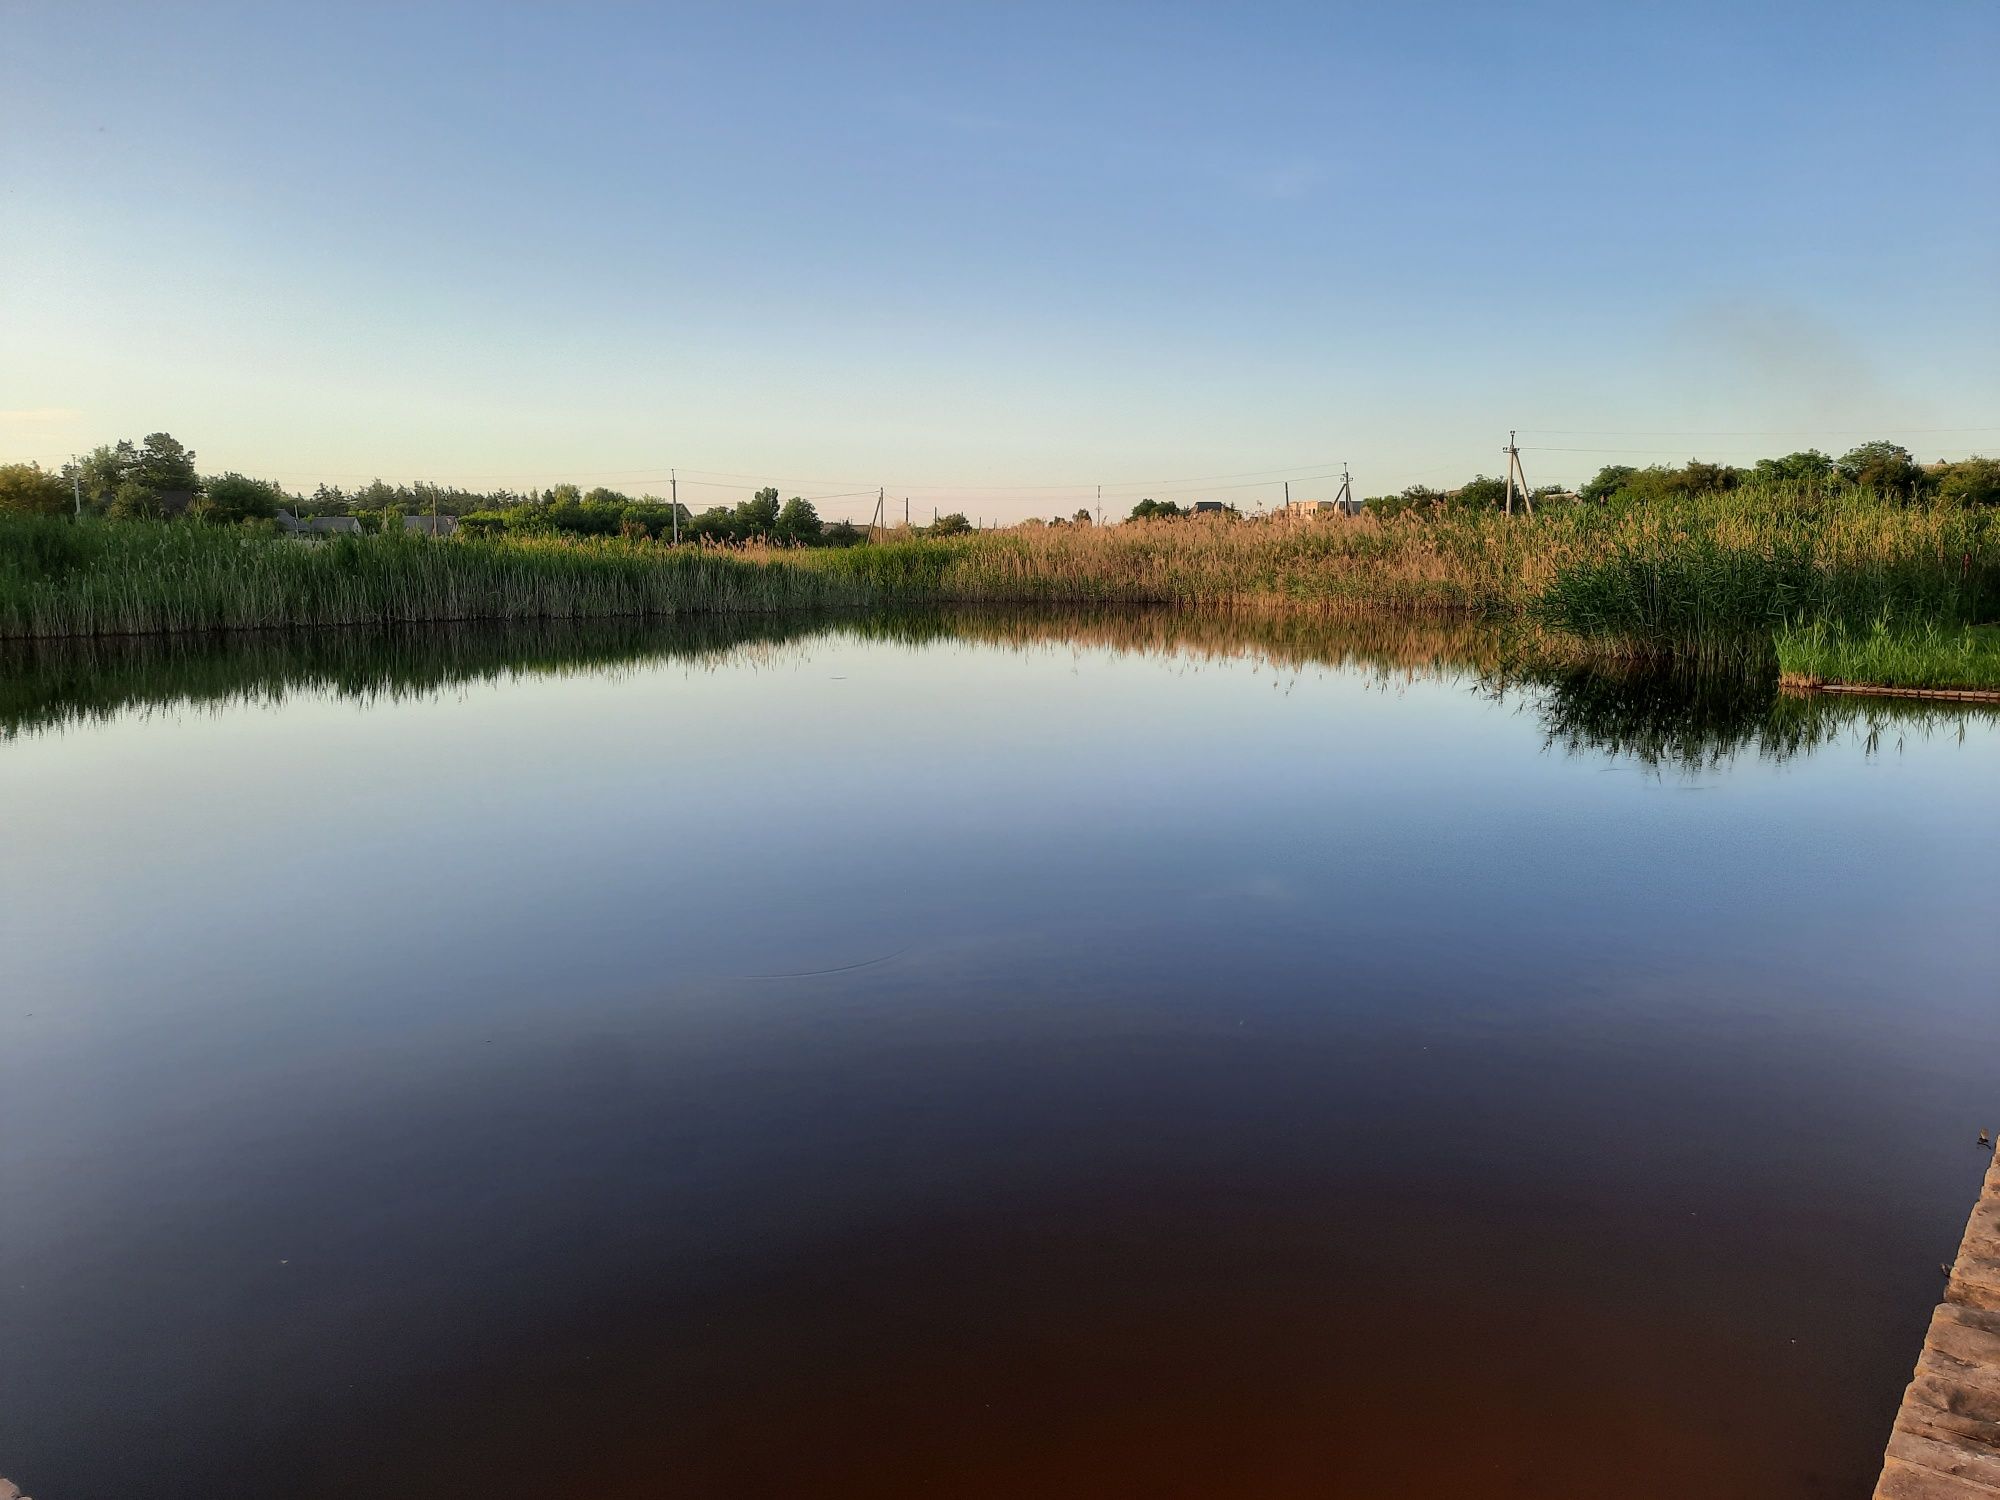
[[1710, 574], [128, 578], [1926, 656], [1657, 575], [1751, 562]]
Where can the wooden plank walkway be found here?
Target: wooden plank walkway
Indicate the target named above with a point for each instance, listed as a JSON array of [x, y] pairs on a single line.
[[1946, 1442]]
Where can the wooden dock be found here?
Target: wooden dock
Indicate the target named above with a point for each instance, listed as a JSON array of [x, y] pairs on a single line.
[[1946, 1442]]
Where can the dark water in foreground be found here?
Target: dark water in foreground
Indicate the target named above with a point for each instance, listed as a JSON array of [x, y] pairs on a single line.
[[1008, 1058]]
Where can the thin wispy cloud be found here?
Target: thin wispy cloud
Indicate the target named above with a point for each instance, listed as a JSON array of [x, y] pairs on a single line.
[[39, 416], [1285, 182]]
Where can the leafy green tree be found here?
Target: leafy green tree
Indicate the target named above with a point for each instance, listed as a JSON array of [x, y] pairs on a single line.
[[1703, 478], [165, 467], [842, 534], [716, 524], [235, 497], [1658, 482], [26, 490], [1884, 467], [563, 494], [603, 496], [799, 523], [1081, 518], [953, 524], [1609, 481], [102, 470], [757, 516], [134, 500], [1482, 491], [1149, 509], [1807, 466], [1970, 481]]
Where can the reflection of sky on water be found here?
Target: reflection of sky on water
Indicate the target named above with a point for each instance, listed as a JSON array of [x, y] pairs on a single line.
[[1243, 1022]]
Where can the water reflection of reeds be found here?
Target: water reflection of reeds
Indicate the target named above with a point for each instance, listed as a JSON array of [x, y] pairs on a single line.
[[1688, 714]]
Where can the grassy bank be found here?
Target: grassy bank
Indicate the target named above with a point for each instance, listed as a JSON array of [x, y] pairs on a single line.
[[1926, 657], [1701, 572], [137, 577]]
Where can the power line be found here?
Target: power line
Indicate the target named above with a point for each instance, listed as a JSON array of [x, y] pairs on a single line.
[[1726, 432], [1018, 489]]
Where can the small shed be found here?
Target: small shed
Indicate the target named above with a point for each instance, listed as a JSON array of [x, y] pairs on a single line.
[[431, 525]]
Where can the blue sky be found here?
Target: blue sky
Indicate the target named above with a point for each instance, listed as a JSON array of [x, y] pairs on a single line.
[[989, 256]]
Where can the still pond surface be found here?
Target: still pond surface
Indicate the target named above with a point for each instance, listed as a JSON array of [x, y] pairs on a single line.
[[991, 1057]]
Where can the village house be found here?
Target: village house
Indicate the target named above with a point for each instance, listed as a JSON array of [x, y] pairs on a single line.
[[292, 525]]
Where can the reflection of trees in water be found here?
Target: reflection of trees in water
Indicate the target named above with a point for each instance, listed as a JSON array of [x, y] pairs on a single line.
[[1691, 716], [52, 683]]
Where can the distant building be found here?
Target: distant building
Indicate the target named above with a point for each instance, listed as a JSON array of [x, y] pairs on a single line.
[[1206, 508], [431, 525], [293, 525], [1310, 509]]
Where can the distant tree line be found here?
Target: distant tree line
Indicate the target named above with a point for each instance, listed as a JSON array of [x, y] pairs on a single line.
[[158, 479], [565, 511], [1167, 510], [1888, 469]]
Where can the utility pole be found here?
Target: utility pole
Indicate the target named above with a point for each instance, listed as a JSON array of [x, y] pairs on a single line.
[[1345, 499], [76, 484], [674, 489], [1516, 477], [1288, 499], [906, 512]]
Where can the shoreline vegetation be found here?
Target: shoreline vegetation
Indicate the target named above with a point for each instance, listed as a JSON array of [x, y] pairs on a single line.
[[1889, 576], [1663, 715]]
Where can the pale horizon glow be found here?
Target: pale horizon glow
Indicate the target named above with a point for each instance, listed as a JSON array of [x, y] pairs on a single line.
[[990, 258]]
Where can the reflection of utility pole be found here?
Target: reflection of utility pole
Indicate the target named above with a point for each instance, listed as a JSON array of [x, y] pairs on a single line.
[[674, 489], [1515, 476]]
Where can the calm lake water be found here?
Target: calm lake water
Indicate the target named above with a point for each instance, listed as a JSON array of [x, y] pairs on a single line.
[[997, 1057]]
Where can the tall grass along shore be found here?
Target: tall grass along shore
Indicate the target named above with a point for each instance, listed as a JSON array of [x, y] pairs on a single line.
[[1660, 576]]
